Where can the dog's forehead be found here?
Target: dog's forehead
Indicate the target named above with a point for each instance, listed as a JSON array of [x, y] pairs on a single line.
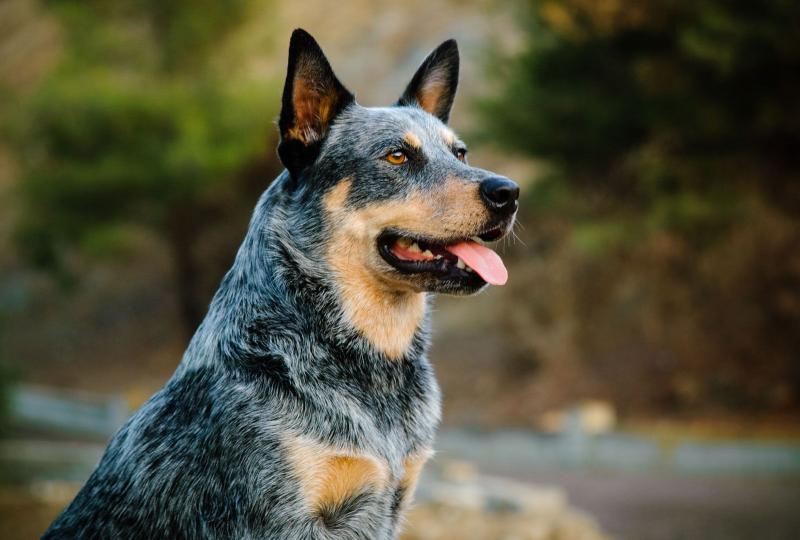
[[371, 124]]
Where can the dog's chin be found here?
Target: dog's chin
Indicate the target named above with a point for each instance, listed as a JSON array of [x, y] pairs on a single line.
[[425, 264], [454, 286]]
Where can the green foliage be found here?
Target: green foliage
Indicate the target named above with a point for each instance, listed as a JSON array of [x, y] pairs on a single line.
[[596, 237], [671, 109], [101, 150], [174, 36], [668, 217], [136, 128]]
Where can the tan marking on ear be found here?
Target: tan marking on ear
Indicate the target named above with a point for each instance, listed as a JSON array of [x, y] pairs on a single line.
[[413, 140], [413, 468], [386, 310], [432, 92], [328, 477], [313, 108], [448, 136]]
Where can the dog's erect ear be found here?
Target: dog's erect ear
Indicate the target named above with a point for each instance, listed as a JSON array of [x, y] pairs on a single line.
[[312, 97], [434, 84]]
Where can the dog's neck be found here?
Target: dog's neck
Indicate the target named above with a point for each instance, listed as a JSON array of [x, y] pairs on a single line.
[[388, 319], [274, 284]]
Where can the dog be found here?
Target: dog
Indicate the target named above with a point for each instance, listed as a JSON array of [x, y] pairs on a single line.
[[305, 406]]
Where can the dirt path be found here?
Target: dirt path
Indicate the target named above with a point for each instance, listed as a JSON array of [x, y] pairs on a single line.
[[656, 506]]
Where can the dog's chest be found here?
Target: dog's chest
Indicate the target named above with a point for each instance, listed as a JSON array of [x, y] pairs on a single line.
[[362, 463], [338, 487]]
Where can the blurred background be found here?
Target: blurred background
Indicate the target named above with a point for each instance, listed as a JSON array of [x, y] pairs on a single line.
[[639, 376]]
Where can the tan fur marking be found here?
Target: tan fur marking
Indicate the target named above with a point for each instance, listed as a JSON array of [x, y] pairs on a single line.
[[432, 92], [413, 468], [388, 312], [387, 318], [336, 197], [313, 107], [328, 478], [413, 140], [453, 209], [448, 136]]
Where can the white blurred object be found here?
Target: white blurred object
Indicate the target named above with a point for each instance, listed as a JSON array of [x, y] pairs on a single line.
[[594, 417]]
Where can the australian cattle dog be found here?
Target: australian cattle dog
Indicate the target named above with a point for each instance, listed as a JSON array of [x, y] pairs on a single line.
[[305, 406]]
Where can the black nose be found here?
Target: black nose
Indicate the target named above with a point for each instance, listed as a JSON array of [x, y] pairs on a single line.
[[500, 194]]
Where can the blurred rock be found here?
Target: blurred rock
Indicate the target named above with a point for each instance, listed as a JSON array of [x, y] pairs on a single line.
[[459, 471], [453, 501], [594, 417]]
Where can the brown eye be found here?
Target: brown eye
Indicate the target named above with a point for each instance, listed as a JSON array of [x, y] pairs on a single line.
[[397, 158], [461, 154]]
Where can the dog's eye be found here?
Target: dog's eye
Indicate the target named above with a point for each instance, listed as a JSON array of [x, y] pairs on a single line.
[[461, 154], [398, 157]]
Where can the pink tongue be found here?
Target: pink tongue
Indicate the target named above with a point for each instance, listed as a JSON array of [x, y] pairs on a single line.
[[483, 260]]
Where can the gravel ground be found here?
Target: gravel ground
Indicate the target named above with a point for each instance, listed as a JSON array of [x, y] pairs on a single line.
[[502, 498], [649, 503], [653, 506], [454, 503]]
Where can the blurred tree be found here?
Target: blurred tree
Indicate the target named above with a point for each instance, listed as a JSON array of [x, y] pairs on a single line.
[[673, 131], [136, 127], [662, 99]]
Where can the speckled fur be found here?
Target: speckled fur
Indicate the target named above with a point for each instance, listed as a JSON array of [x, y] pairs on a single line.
[[276, 362]]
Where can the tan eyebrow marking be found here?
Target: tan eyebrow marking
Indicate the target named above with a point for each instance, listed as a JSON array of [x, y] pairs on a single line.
[[413, 140], [448, 136]]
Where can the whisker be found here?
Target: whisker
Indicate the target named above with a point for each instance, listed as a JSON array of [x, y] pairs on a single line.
[[516, 237]]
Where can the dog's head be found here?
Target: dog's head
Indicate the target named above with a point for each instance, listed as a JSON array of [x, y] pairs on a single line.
[[399, 204]]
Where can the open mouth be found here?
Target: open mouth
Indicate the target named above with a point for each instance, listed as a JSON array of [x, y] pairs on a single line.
[[464, 259]]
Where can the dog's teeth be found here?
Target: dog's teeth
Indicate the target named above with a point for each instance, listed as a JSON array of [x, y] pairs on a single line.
[[404, 242], [469, 269], [415, 248], [427, 253], [437, 257], [461, 264]]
